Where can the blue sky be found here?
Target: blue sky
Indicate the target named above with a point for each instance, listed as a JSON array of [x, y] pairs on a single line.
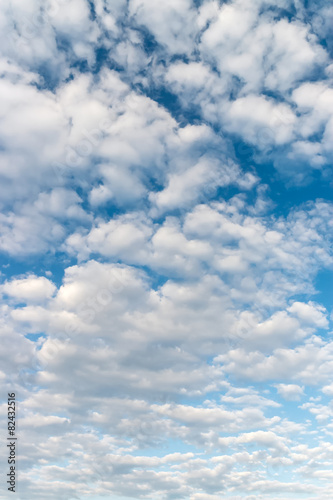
[[166, 248]]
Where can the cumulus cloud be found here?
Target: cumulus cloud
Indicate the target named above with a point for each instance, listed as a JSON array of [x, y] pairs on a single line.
[[290, 392], [28, 289]]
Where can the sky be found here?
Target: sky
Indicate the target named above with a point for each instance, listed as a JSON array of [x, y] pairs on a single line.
[[166, 248]]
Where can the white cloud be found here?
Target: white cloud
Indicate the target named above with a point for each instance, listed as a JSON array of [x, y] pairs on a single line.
[[185, 188], [125, 237], [261, 121], [290, 392], [309, 363], [265, 438], [223, 238], [37, 227], [310, 313], [328, 390], [31, 35], [171, 23], [30, 289], [315, 101]]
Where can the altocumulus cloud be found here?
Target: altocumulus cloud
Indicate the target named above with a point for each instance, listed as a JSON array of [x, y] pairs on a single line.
[[166, 248]]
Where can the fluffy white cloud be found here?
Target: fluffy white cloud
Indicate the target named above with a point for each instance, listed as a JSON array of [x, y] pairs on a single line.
[[290, 392], [35, 36], [125, 237], [261, 121], [30, 289], [328, 389], [185, 188], [309, 363], [226, 239], [171, 23], [39, 226]]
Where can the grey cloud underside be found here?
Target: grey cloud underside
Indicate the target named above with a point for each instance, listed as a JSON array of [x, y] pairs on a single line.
[[186, 353]]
